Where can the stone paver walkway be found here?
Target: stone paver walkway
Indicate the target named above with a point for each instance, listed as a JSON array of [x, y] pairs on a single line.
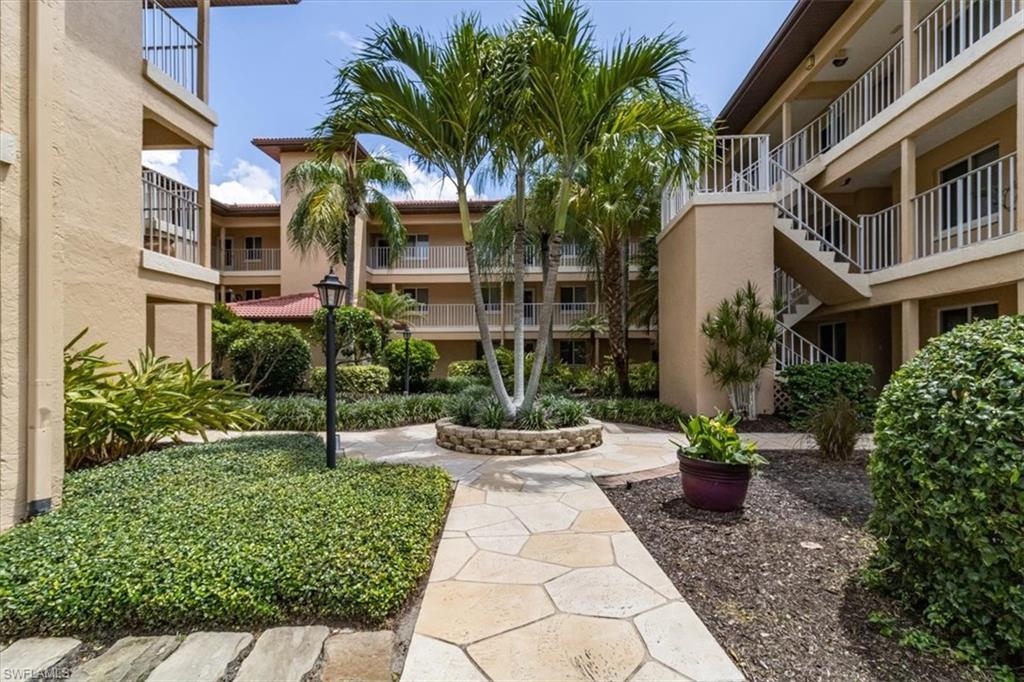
[[537, 577]]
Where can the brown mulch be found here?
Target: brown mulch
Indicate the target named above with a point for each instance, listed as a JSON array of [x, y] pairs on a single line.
[[782, 610], [766, 423]]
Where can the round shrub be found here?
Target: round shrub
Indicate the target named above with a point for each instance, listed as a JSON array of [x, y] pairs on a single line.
[[356, 333], [467, 368], [947, 476], [354, 380], [272, 359], [422, 358]]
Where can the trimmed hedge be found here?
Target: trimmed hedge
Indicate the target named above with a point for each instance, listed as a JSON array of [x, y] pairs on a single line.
[[467, 368], [244, 533], [271, 358], [947, 475], [356, 380], [303, 413], [422, 358], [635, 411], [809, 386]]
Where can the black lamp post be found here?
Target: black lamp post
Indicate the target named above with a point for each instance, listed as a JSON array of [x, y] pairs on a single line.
[[407, 334], [331, 290]]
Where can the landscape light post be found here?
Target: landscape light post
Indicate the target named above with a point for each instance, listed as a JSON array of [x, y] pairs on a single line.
[[331, 291], [407, 334]]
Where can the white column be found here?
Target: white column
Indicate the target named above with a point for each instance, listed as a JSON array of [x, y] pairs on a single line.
[[910, 330], [908, 189], [203, 57], [911, 11]]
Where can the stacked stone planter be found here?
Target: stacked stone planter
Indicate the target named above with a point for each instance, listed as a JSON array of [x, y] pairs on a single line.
[[515, 442]]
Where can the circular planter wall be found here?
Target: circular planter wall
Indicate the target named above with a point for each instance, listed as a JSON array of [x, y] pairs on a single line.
[[515, 442]]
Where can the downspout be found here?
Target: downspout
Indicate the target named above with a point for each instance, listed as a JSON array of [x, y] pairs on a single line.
[[44, 375]]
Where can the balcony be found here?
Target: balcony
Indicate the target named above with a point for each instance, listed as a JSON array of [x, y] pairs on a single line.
[[170, 217], [170, 47], [452, 259], [247, 260], [462, 316]]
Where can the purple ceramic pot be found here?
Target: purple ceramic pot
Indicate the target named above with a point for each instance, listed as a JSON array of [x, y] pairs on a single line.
[[712, 485]]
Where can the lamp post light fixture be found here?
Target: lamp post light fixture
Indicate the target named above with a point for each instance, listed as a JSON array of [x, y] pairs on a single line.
[[331, 291], [407, 334]]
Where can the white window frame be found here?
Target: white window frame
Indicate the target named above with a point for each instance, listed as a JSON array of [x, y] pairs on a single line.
[[962, 306], [257, 239], [833, 324], [971, 223], [417, 246]]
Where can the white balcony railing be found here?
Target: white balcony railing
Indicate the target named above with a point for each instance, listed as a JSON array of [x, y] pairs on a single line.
[[793, 349], [169, 46], [874, 91], [803, 145], [247, 260], [453, 258], [879, 239], [788, 292], [737, 164], [462, 316], [954, 26], [170, 217], [972, 208]]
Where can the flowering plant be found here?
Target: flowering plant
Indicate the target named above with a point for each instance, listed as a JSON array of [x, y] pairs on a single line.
[[715, 440]]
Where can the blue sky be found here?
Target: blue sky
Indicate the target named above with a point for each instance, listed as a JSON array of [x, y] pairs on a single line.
[[271, 68]]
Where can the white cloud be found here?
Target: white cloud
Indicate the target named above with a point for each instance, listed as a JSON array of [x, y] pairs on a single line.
[[248, 184], [347, 39], [427, 185], [165, 161]]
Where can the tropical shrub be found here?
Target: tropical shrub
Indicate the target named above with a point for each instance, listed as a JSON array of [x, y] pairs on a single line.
[[643, 378], [467, 368], [353, 380], [305, 413], [271, 359], [635, 411], [225, 328], [422, 358], [451, 385], [109, 415], [947, 475], [741, 335], [478, 406], [835, 427], [715, 439], [357, 335], [810, 386], [244, 533]]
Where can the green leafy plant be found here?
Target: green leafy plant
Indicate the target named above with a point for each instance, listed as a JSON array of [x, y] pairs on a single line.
[[357, 335], [808, 386], [835, 427], [352, 380], [467, 368], [635, 411], [225, 328], [109, 415], [245, 533], [715, 439], [947, 475], [534, 419], [741, 335], [391, 309], [422, 358], [491, 415], [270, 359], [451, 385], [305, 413]]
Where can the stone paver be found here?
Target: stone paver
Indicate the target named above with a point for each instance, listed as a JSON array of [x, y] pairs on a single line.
[[607, 591], [576, 550], [283, 654], [432, 661], [464, 612], [34, 656], [202, 657], [358, 657], [666, 628], [491, 567], [130, 659], [653, 671]]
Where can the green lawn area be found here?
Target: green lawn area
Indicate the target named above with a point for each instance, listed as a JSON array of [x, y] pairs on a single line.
[[246, 532]]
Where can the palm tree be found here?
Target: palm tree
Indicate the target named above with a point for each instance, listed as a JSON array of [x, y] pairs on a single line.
[[335, 188], [591, 326], [391, 309]]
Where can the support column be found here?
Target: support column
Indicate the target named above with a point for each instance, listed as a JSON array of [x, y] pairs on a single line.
[[911, 11], [910, 329], [151, 326], [204, 341], [787, 120], [1020, 149], [908, 189], [203, 195], [203, 58], [1020, 297]]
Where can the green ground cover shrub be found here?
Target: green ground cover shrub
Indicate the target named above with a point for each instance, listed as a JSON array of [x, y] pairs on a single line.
[[477, 406], [809, 386], [451, 385], [243, 533], [355, 380], [109, 414], [635, 411], [467, 368], [422, 358], [947, 475], [270, 358], [307, 413]]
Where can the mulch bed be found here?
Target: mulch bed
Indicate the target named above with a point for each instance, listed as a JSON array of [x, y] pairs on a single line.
[[766, 423], [783, 610]]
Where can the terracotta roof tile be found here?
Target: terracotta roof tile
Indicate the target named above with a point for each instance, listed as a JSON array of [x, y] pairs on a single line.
[[290, 307]]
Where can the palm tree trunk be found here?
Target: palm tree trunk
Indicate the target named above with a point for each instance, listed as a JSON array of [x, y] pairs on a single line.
[[481, 313], [350, 256], [594, 361], [518, 270], [611, 285], [549, 331]]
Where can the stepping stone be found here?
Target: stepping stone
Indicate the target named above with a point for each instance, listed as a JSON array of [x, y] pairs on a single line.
[[130, 659], [202, 657], [283, 654], [34, 656], [358, 657]]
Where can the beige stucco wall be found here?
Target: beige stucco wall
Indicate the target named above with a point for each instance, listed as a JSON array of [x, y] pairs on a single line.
[[704, 258], [868, 338], [1005, 297]]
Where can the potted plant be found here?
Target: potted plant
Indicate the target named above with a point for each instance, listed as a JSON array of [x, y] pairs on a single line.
[[716, 464]]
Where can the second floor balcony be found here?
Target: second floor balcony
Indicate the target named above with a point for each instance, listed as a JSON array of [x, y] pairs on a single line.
[[171, 47], [170, 217], [247, 260], [452, 258], [462, 316]]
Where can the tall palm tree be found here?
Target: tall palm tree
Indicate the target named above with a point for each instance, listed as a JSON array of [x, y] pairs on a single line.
[[392, 309], [334, 189]]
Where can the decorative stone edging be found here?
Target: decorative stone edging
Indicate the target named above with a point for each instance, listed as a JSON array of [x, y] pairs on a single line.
[[515, 442]]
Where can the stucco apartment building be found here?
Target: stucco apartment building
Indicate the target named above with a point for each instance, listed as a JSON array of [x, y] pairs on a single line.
[[269, 280], [91, 239], [869, 173]]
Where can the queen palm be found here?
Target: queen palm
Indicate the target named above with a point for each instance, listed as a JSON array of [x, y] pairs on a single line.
[[391, 309], [334, 189]]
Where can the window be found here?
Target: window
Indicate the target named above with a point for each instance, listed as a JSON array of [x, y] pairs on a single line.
[[953, 317], [980, 192], [253, 248], [832, 339], [253, 294], [229, 253], [573, 299], [572, 352], [419, 294], [492, 298], [417, 246]]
